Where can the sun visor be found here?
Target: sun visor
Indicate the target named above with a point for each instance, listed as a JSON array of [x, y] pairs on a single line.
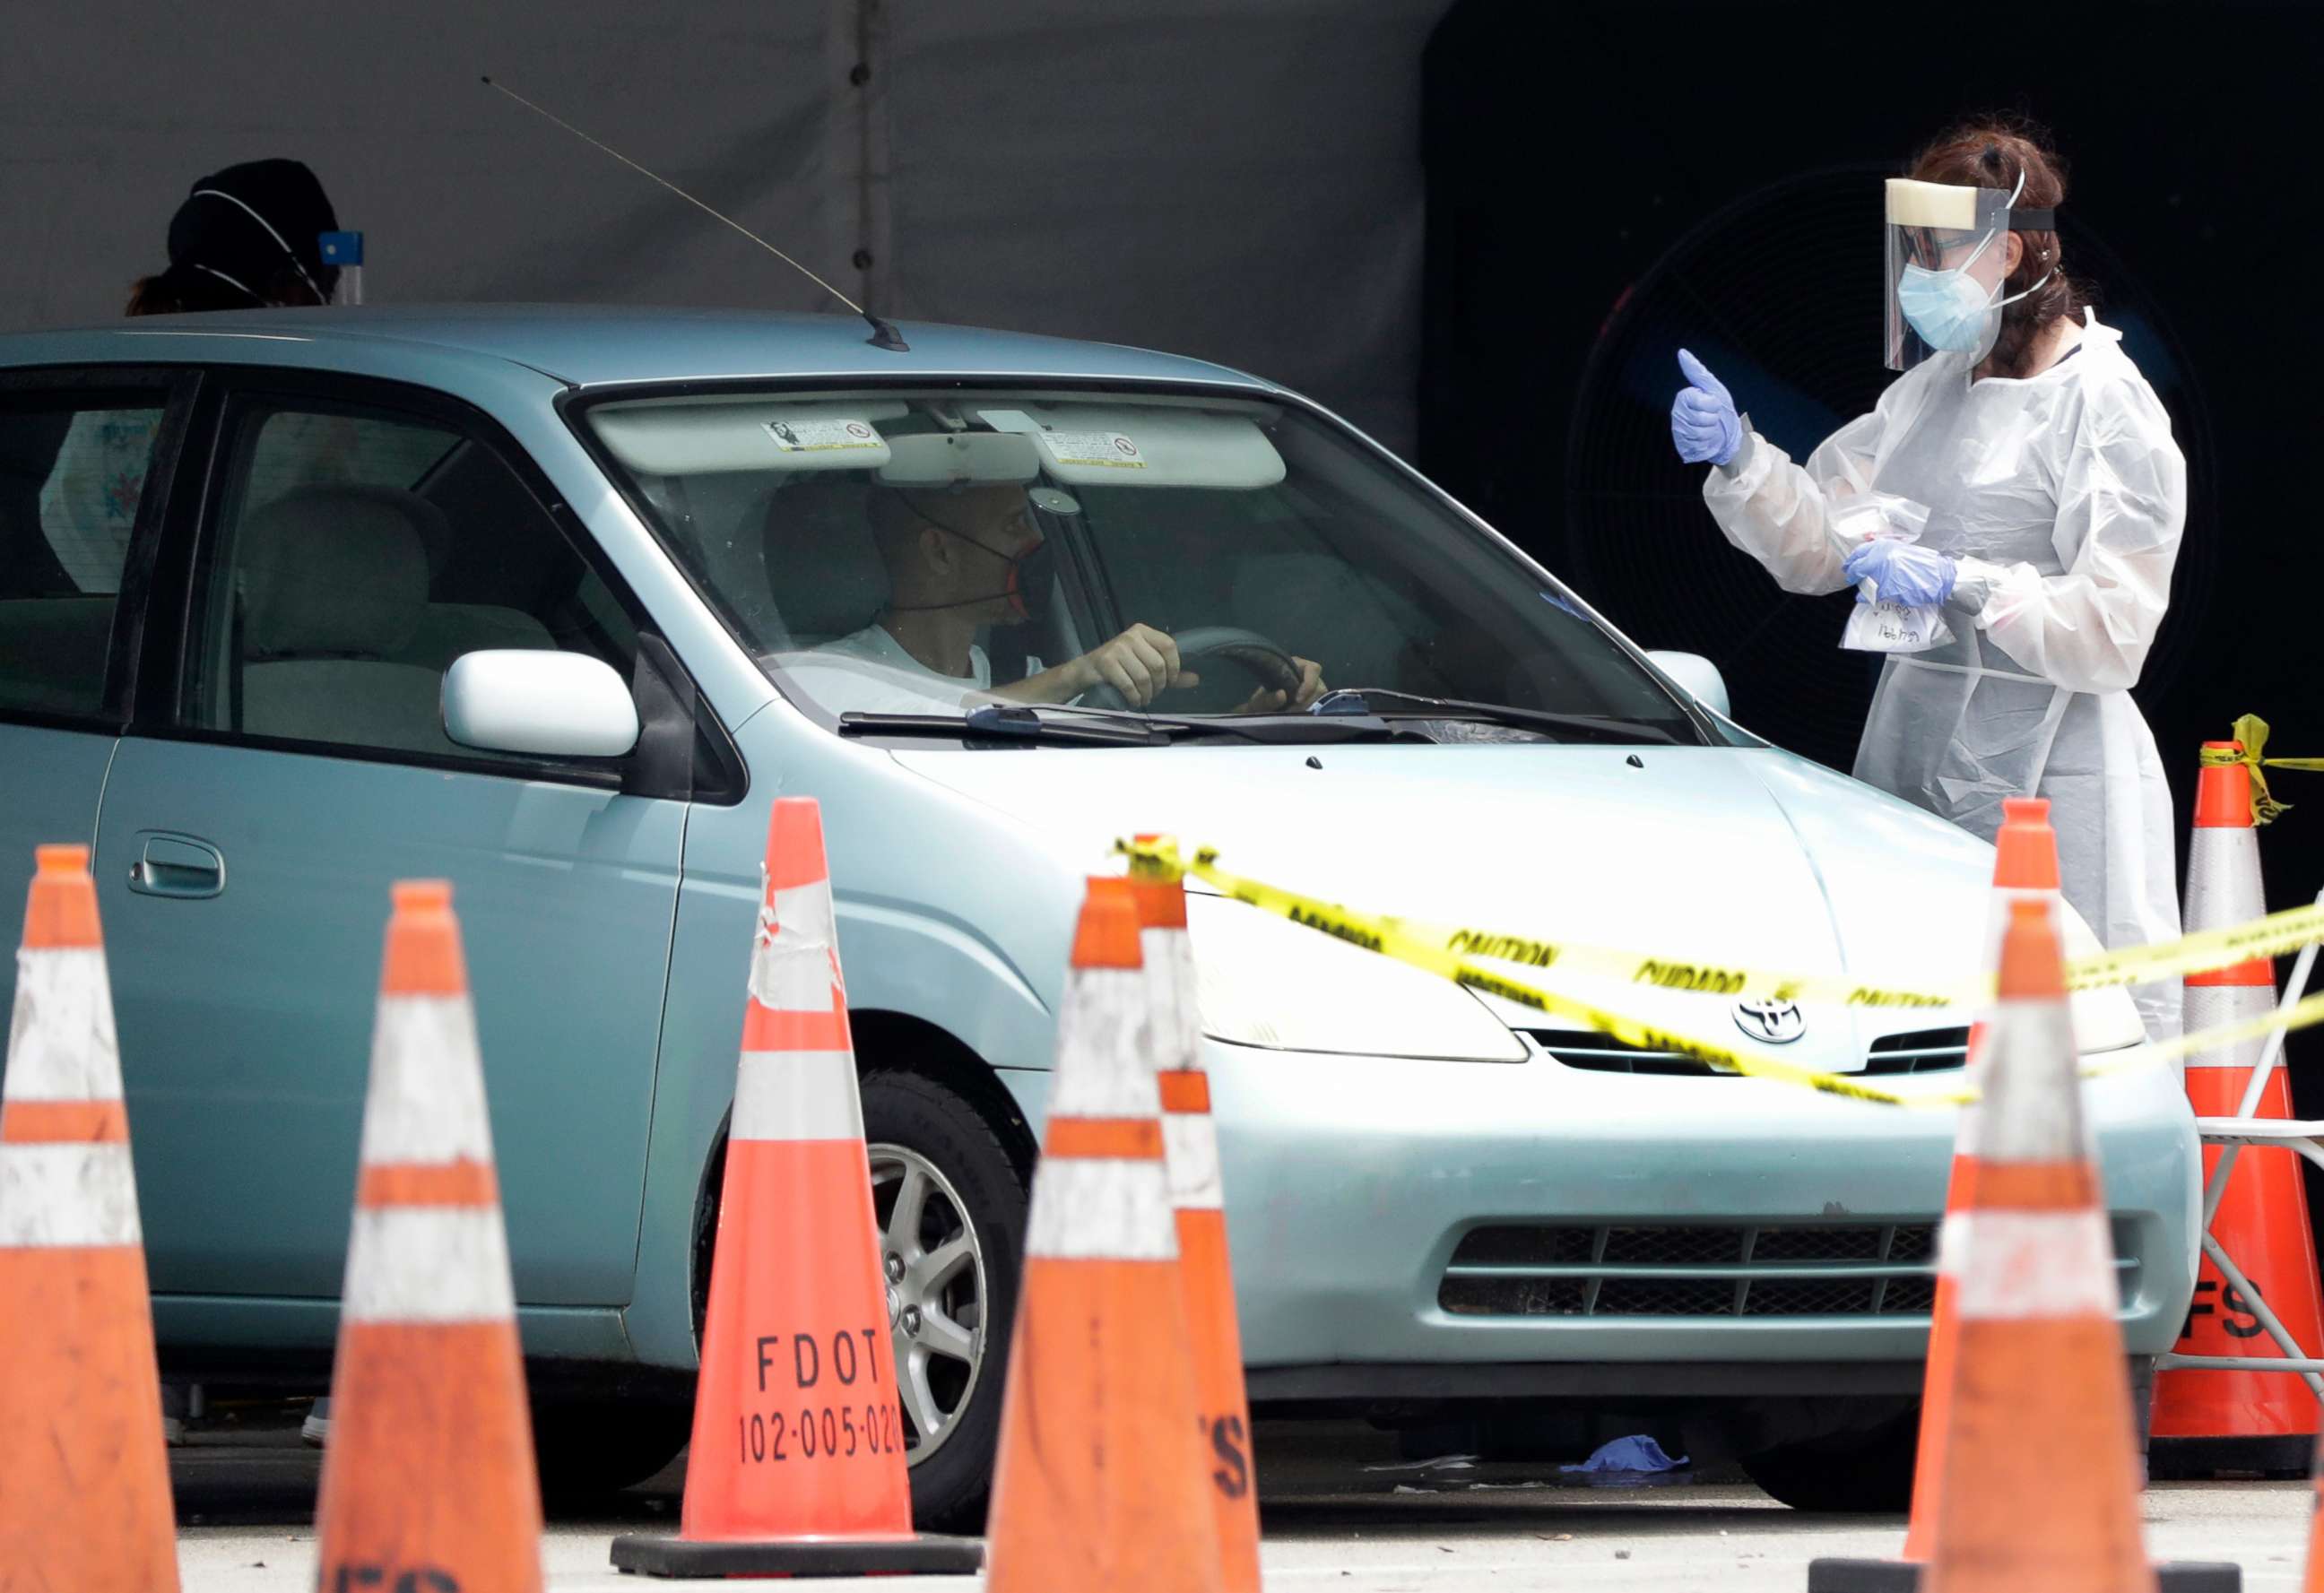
[[1143, 446], [1931, 204], [689, 437], [958, 458]]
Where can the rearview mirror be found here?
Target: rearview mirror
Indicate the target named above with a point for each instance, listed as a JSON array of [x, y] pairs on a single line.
[[1697, 677], [547, 704]]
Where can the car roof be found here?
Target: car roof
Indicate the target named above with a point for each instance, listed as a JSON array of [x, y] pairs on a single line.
[[594, 344]]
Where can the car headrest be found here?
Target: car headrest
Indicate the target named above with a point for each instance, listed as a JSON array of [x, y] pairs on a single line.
[[823, 566], [335, 572]]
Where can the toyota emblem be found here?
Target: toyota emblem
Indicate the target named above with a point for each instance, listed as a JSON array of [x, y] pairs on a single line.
[[1778, 1023]]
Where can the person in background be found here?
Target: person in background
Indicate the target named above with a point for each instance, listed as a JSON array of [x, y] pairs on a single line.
[[246, 237], [2019, 479]]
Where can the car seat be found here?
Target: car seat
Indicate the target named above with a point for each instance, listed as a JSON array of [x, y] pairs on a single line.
[[823, 567], [333, 587]]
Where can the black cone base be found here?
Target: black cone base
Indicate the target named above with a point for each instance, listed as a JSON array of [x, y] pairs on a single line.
[[1901, 1576], [924, 1554], [2181, 1459]]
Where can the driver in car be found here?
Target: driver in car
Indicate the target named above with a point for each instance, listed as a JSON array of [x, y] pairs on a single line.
[[963, 559]]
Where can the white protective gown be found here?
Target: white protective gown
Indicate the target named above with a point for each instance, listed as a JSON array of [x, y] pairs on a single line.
[[2063, 497]]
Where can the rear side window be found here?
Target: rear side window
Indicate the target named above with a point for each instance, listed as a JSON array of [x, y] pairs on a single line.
[[356, 555], [73, 469]]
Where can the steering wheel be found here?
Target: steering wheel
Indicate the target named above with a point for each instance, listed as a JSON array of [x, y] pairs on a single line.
[[1274, 666]]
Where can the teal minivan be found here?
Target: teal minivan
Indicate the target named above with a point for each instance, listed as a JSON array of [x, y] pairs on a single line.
[[552, 602]]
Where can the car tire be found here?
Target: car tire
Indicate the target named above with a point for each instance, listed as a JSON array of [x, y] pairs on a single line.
[[1863, 1473], [915, 1126], [587, 1451]]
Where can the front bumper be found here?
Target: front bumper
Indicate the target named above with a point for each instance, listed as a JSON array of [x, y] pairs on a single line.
[[1353, 1180]]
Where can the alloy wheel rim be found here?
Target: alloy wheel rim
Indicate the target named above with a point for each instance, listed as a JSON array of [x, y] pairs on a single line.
[[932, 1261]]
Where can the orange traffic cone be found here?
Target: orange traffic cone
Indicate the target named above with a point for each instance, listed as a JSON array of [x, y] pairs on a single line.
[[2040, 1355], [2207, 1421], [1198, 1200], [2024, 869], [1100, 1483], [83, 1483], [428, 1479], [797, 1467]]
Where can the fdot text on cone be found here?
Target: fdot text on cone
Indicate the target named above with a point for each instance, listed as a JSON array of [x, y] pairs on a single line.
[[1198, 1202], [429, 1481], [797, 1467], [84, 1479], [1100, 1483]]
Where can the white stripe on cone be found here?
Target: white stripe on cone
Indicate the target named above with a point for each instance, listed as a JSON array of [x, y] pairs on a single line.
[[2020, 1266], [794, 966], [783, 1095], [2211, 1005], [1169, 957], [429, 1263], [425, 1100], [2223, 878], [2029, 1111], [1108, 1033], [1101, 1209], [1190, 1143], [67, 1194], [60, 1037]]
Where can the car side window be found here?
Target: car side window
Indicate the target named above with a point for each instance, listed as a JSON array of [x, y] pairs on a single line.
[[354, 554], [72, 474]]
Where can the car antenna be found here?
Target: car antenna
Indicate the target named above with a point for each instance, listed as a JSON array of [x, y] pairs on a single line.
[[883, 334]]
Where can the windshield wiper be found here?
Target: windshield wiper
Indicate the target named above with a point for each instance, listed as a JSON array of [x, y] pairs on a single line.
[[1002, 721], [1067, 723], [1384, 703], [1291, 729]]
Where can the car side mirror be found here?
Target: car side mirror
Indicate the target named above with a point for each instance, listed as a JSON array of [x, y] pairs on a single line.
[[1698, 677], [547, 704]]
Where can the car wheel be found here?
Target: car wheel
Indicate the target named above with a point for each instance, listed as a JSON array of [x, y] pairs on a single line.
[[587, 1451], [950, 1207], [1867, 1472]]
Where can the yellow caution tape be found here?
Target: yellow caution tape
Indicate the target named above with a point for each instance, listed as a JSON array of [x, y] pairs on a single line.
[[1445, 952], [2251, 729]]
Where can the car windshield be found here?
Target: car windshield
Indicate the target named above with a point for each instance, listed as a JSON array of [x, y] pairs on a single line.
[[943, 554]]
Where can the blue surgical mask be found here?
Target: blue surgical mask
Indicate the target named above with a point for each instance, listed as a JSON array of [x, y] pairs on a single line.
[[1948, 309]]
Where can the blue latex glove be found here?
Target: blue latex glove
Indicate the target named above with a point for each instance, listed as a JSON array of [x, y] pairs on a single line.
[[1902, 572], [1704, 426]]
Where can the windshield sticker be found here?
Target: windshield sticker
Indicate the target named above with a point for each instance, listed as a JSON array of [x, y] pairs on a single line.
[[1108, 450], [822, 437]]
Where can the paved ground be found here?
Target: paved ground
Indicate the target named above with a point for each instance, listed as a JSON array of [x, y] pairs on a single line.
[[245, 1506]]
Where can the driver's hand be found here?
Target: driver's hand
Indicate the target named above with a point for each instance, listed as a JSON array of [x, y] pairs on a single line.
[[1141, 663], [1275, 700]]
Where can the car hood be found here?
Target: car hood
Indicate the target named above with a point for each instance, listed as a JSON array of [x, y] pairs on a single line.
[[1743, 856]]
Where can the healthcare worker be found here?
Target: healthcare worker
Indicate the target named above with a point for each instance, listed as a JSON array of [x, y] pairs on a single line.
[[245, 237], [2019, 479]]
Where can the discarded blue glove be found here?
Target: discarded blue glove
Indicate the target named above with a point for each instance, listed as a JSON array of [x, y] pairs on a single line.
[[1902, 572], [1637, 1453], [1704, 426]]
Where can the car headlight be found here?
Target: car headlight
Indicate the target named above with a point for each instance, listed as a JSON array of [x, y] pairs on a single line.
[[1264, 981]]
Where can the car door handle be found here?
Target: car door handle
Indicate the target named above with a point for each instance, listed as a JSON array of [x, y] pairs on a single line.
[[177, 866]]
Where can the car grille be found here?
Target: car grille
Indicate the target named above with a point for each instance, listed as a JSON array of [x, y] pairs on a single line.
[[1738, 1269], [1923, 1051]]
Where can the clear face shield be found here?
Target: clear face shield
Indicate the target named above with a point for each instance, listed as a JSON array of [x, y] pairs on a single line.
[[1946, 263]]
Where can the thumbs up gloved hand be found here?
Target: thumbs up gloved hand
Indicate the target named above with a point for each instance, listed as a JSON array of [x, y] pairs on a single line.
[[1704, 427]]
